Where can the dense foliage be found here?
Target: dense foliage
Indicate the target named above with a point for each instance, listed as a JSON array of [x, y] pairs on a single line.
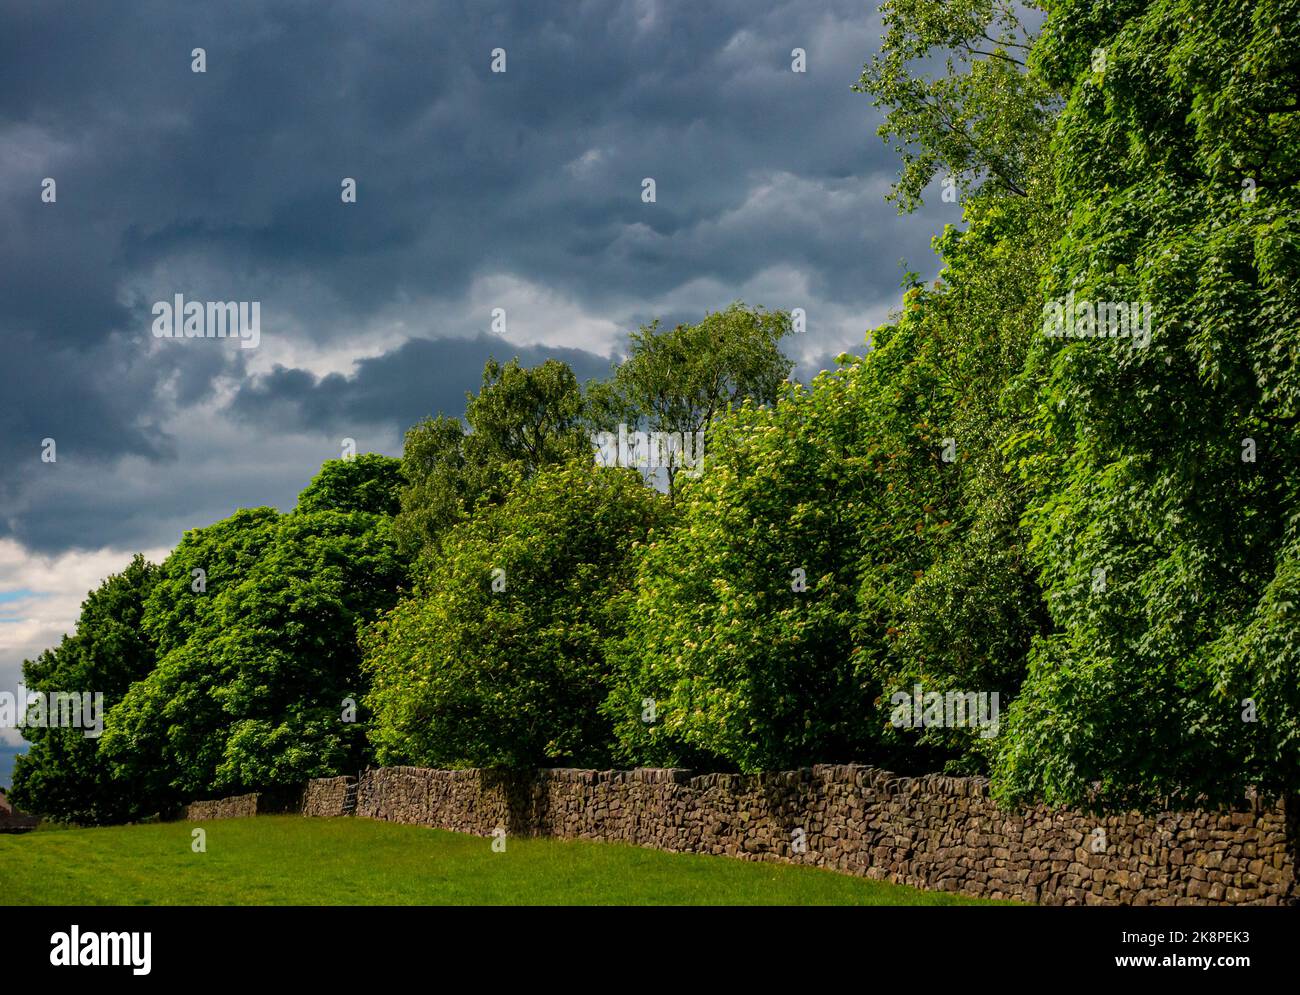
[[681, 379], [254, 672], [228, 666], [501, 659], [64, 774], [367, 482], [830, 555], [1171, 469], [521, 420]]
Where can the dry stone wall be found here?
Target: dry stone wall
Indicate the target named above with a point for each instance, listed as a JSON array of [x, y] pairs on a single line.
[[277, 802], [934, 832], [326, 796], [234, 807]]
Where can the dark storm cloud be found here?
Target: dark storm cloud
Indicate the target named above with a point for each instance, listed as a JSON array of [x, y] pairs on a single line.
[[225, 185], [395, 389]]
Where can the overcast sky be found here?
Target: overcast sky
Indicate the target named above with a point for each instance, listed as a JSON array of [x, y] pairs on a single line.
[[475, 190]]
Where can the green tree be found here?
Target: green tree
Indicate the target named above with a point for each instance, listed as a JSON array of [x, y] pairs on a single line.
[[887, 485], [949, 596], [367, 482], [255, 619], [1164, 474], [440, 487], [500, 659], [984, 118], [740, 631], [521, 420], [679, 380], [525, 417], [64, 776], [913, 564]]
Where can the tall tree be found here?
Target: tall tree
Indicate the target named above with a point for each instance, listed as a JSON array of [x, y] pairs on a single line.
[[738, 646], [983, 118], [439, 485], [525, 417], [64, 776], [680, 379], [1165, 470], [501, 658], [521, 420], [255, 619]]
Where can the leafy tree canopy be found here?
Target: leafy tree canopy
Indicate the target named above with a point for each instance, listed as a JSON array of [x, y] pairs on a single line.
[[501, 659], [64, 776], [255, 620], [959, 100], [680, 379], [367, 482], [1164, 477], [521, 420]]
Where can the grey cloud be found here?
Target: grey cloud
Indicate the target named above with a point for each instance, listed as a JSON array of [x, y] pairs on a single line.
[[421, 377], [225, 185]]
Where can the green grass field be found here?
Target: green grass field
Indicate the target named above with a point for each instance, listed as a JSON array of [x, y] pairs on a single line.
[[288, 860]]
